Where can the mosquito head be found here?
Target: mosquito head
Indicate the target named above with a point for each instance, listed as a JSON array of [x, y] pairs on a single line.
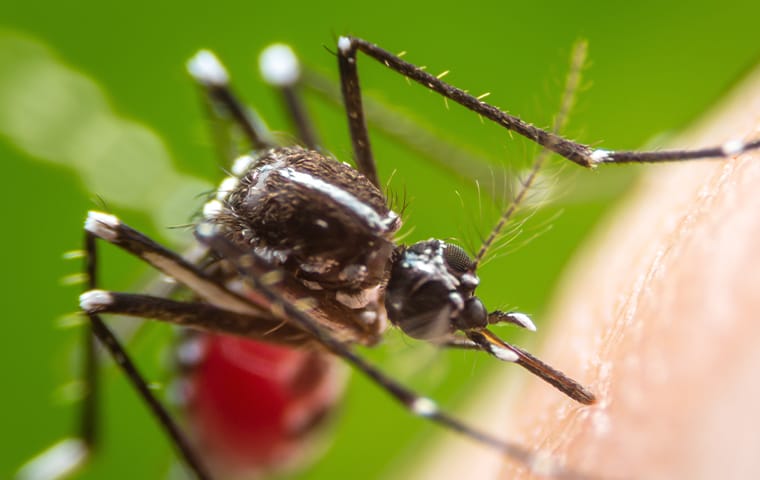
[[430, 292]]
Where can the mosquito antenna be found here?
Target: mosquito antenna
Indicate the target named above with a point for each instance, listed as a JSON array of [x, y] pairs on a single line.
[[577, 60]]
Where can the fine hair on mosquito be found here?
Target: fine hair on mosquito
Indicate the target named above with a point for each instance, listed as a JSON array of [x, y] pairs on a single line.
[[298, 250]]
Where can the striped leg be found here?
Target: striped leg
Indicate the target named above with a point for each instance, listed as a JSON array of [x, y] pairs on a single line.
[[581, 154]]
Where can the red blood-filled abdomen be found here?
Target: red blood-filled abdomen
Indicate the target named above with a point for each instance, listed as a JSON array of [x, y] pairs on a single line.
[[254, 407]]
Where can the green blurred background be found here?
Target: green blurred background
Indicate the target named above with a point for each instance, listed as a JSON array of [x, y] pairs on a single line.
[[654, 67]]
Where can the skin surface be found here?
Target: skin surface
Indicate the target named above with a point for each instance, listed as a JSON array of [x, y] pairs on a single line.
[[659, 316]]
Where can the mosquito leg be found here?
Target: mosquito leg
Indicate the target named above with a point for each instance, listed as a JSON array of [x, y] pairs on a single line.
[[280, 68], [464, 161], [581, 154], [69, 455], [111, 229], [89, 412], [209, 72], [120, 356], [352, 99], [252, 269], [201, 316]]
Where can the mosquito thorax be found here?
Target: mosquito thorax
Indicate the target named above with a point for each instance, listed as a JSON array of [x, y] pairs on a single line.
[[316, 216], [318, 219], [430, 291]]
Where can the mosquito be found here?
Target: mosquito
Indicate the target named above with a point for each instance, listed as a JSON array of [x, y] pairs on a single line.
[[298, 261]]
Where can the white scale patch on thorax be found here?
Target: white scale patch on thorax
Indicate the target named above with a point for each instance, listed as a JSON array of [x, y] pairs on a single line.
[[340, 196]]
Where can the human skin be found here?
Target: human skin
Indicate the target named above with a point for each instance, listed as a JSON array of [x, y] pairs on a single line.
[[659, 315]]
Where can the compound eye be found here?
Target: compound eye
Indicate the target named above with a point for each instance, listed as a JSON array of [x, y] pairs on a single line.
[[457, 258]]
